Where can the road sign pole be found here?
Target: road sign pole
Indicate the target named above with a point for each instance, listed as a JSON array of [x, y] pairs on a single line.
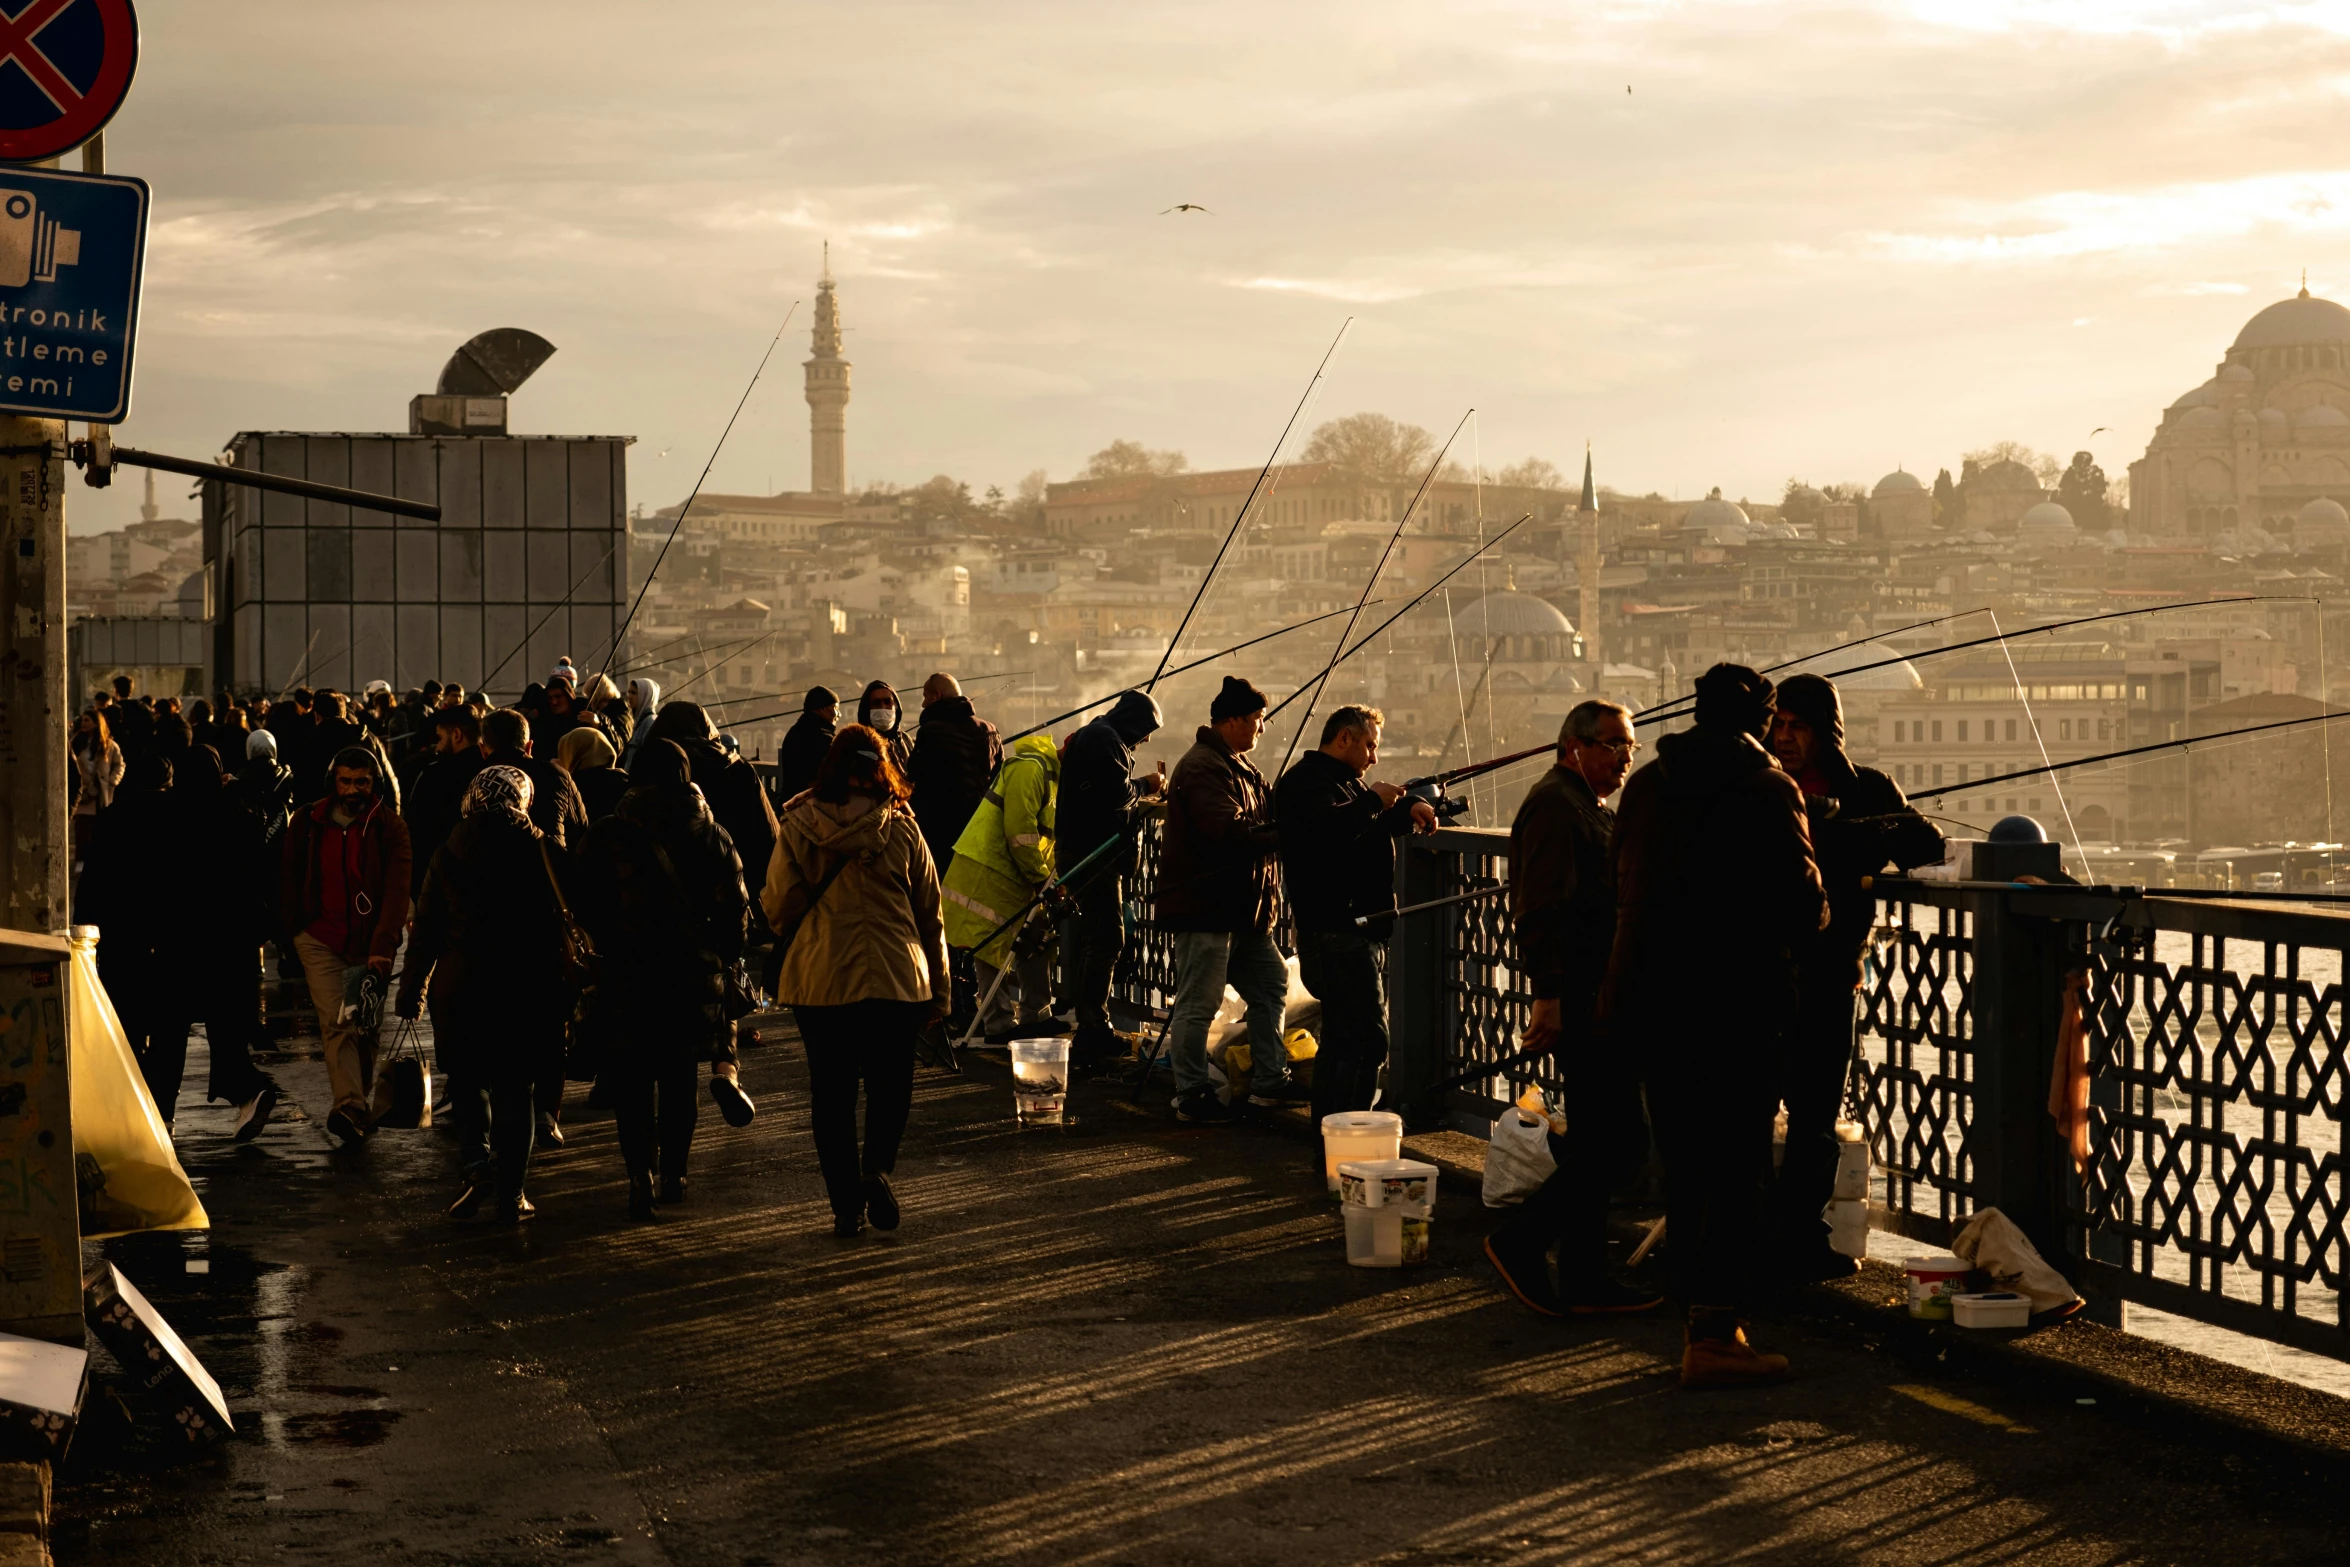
[[35, 707]]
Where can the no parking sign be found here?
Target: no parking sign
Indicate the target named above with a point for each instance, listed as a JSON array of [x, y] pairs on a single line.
[[64, 67]]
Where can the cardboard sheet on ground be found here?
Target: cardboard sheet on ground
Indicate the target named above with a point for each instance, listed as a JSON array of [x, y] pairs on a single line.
[[128, 1176]]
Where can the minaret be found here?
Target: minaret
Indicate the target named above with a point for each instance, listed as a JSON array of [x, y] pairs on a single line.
[[148, 510], [1587, 567], [828, 394]]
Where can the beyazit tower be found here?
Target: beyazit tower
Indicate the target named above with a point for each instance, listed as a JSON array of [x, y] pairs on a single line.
[[828, 394]]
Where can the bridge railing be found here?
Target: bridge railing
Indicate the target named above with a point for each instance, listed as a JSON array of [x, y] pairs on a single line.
[[2218, 1062]]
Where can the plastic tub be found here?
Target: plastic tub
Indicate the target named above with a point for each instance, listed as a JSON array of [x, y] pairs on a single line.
[[1408, 1184], [2000, 1309], [1358, 1134], [1852, 1162], [1385, 1237], [1934, 1280], [1848, 1227], [1040, 1080]]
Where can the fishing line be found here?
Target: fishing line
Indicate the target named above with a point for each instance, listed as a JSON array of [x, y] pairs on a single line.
[[2032, 722]]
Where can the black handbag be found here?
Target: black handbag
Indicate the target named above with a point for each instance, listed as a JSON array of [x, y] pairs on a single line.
[[403, 1088]]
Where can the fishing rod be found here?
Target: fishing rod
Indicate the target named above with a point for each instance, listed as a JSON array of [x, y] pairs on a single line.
[[1362, 920], [2115, 756], [1902, 884], [1236, 647], [1410, 604], [647, 585], [543, 619], [794, 712], [1241, 519], [663, 663], [1671, 709], [1338, 648], [722, 663]]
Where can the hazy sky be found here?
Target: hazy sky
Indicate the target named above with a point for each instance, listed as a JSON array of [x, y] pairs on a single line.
[[1813, 240]]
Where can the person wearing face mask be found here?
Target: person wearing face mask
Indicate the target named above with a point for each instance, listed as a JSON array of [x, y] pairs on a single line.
[[878, 711]]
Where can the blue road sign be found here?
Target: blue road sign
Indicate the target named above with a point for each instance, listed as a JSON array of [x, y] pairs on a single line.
[[71, 246]]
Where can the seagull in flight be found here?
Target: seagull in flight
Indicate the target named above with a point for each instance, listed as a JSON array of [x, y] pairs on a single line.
[[1186, 206], [2100, 430]]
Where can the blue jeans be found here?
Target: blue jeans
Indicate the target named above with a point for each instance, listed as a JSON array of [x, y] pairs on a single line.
[[1205, 961]]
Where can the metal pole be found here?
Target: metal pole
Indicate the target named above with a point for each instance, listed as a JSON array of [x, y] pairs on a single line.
[[35, 708]]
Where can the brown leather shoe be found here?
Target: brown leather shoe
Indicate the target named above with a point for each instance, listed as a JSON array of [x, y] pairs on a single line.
[[1711, 1360]]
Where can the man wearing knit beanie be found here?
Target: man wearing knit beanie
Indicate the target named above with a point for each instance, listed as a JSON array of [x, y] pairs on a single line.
[[806, 742], [1859, 821], [1216, 893]]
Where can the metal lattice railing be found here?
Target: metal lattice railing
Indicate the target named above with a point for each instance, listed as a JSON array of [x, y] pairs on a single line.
[[1145, 979], [1485, 1003], [1917, 1045]]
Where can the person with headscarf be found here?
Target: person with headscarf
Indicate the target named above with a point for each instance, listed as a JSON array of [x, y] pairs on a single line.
[[1716, 893], [587, 755], [487, 949], [806, 743], [878, 710], [661, 891], [1099, 793], [1860, 821], [98, 764], [866, 971], [605, 710], [644, 700], [729, 784]]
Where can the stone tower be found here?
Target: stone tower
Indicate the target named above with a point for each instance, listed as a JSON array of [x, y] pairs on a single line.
[[828, 394]]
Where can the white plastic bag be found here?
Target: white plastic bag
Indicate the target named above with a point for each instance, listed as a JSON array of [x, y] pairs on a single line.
[[1517, 1158], [1992, 1243]]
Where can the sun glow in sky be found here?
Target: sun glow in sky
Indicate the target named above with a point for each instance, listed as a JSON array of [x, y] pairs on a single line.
[[1728, 244]]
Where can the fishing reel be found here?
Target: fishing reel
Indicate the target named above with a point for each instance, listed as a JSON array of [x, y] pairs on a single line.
[[1430, 791]]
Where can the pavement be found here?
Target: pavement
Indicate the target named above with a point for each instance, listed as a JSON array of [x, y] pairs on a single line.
[[1127, 1341]]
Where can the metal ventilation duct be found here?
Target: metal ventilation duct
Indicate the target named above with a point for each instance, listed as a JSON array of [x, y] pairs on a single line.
[[494, 364]]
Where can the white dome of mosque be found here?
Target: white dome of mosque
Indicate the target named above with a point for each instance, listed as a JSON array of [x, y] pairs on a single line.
[[2321, 416], [2201, 397], [2322, 513], [1897, 483], [1900, 675], [1509, 613], [1714, 512], [2236, 372], [2006, 474], [2296, 323], [2201, 418], [2275, 420], [2048, 517]]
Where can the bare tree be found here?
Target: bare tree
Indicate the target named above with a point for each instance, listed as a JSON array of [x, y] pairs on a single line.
[[1373, 446], [1133, 460], [1535, 473], [2044, 468]]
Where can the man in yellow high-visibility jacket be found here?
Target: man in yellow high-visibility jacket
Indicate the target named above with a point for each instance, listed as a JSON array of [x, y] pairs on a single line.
[[1003, 857]]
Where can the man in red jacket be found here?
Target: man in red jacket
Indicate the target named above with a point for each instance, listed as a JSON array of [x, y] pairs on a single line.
[[343, 894]]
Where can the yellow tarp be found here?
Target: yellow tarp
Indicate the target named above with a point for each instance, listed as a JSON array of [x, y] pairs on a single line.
[[128, 1175]]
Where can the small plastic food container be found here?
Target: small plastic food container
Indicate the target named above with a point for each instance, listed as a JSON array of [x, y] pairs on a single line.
[[1934, 1280], [1409, 1184], [1386, 1237], [1852, 1162], [1999, 1309]]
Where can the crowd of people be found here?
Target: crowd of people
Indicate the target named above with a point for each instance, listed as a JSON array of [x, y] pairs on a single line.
[[592, 885]]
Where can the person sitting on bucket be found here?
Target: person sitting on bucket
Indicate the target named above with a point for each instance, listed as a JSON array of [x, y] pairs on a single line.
[[1002, 860]]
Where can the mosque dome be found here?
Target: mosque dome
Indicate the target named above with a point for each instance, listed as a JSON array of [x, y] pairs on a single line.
[[2321, 416], [2047, 516], [2298, 322], [2321, 513], [2204, 417], [1897, 483], [1714, 512], [1898, 676], [2201, 397], [2006, 474], [2275, 421], [2236, 372], [1509, 613]]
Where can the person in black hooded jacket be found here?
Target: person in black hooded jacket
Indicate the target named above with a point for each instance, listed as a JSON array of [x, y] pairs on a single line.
[[1860, 821], [955, 757], [1098, 796], [878, 711], [730, 786], [805, 744]]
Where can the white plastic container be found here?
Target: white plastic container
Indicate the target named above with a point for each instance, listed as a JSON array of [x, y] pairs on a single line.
[[1408, 1184], [1848, 1227], [2000, 1309], [1852, 1162], [1359, 1134], [1934, 1281], [1040, 1080], [1385, 1237]]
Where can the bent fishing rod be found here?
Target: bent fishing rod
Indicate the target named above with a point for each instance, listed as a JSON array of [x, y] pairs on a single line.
[[794, 712], [2114, 756], [549, 615], [1240, 520], [1675, 707], [647, 585], [1338, 648]]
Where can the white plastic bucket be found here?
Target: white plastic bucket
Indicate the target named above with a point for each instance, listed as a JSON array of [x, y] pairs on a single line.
[[1852, 1162], [1848, 1226], [1408, 1184], [1358, 1134], [1934, 1280], [1385, 1237], [1040, 1080]]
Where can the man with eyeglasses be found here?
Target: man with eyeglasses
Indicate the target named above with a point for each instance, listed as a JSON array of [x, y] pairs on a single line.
[[1563, 905]]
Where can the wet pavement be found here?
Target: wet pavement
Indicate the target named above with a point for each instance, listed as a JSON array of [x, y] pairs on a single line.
[[1126, 1342]]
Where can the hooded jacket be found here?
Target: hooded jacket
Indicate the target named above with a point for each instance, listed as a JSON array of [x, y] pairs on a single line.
[[1098, 791], [660, 890], [895, 734], [955, 753], [1006, 853], [876, 933], [1716, 890], [640, 719], [802, 752], [1217, 858]]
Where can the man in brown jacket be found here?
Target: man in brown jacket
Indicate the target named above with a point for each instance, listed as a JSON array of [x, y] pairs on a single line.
[[1216, 893], [1716, 890], [343, 897]]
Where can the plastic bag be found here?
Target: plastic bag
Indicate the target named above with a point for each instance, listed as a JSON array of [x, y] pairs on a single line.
[[128, 1176], [1992, 1243], [1517, 1158]]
